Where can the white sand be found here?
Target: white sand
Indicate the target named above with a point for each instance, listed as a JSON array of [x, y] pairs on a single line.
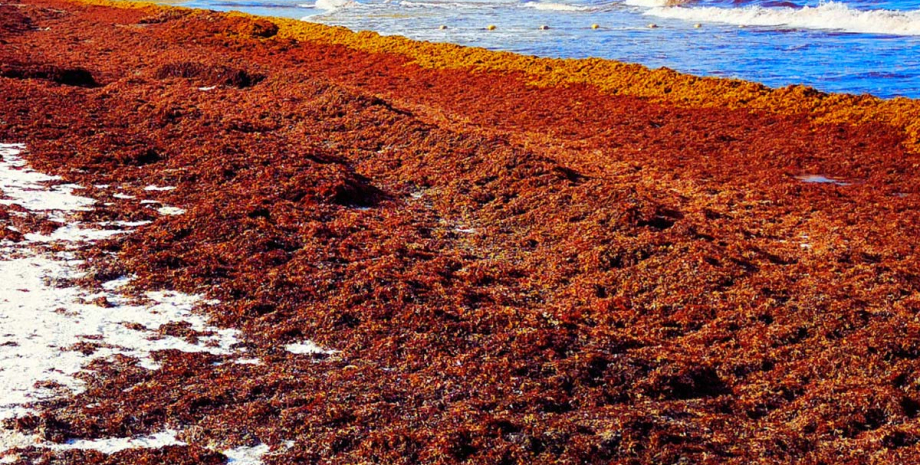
[[42, 317], [40, 320]]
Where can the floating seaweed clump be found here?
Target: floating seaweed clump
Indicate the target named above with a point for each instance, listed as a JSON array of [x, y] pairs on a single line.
[[447, 255]]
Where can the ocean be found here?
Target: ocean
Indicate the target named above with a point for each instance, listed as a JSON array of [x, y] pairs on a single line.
[[852, 46]]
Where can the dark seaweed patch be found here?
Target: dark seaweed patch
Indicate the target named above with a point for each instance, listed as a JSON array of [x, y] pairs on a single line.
[[76, 77], [209, 74]]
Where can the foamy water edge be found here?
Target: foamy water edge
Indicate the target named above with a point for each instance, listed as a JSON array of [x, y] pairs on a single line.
[[827, 16]]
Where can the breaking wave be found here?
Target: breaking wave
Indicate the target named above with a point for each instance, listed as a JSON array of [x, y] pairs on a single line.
[[827, 16], [558, 7], [332, 4]]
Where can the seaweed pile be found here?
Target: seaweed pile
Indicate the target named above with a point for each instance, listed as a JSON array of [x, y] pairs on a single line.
[[506, 269]]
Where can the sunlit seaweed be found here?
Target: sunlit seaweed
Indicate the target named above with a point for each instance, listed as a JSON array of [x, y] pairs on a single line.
[[620, 78]]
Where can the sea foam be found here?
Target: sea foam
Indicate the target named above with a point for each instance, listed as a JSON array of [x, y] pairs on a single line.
[[332, 4], [557, 7], [827, 16], [653, 3]]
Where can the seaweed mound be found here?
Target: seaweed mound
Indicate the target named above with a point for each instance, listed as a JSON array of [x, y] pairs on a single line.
[[209, 74], [511, 260]]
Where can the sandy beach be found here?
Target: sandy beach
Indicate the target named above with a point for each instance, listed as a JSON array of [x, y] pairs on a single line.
[[292, 243]]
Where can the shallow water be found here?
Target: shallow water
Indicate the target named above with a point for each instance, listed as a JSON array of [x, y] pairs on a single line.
[[865, 46]]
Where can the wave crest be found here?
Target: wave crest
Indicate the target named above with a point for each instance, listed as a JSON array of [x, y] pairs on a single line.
[[828, 16], [557, 7], [655, 3], [332, 4]]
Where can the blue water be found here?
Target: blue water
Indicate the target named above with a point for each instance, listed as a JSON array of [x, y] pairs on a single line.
[[852, 46]]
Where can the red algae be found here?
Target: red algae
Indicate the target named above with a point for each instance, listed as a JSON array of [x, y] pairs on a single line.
[[507, 272]]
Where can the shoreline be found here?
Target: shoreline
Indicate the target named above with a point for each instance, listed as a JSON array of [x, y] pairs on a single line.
[[616, 78], [434, 254]]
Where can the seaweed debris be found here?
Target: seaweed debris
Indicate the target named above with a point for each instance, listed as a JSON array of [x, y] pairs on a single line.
[[500, 272]]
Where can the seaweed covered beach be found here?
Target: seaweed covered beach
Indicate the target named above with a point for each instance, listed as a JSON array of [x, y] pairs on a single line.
[[348, 248]]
